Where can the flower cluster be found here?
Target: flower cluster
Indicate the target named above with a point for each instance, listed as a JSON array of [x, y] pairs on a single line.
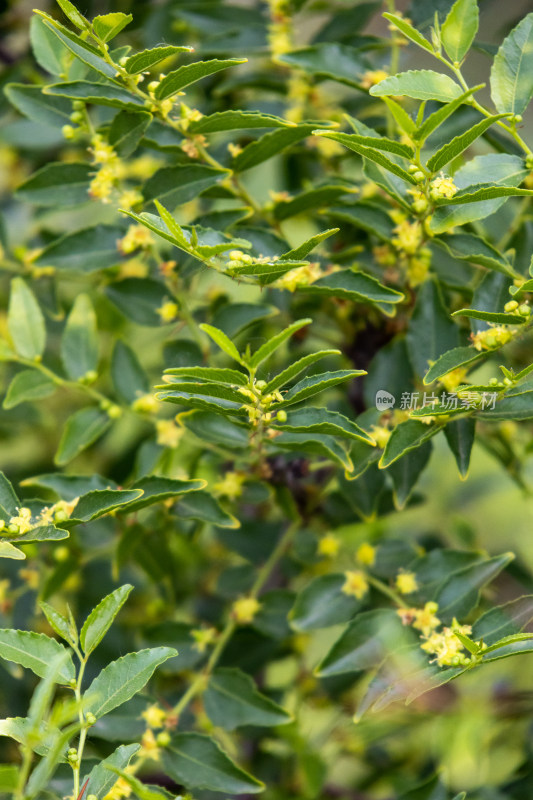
[[23, 521]]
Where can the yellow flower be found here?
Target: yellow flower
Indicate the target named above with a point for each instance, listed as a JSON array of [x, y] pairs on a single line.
[[168, 433], [355, 584], [231, 485], [168, 312], [136, 236], [417, 270], [373, 76], [102, 151], [30, 577], [133, 268], [22, 522], [328, 545], [408, 236], [443, 187], [143, 167], [366, 554], [381, 435], [102, 185], [244, 610], [120, 789], [453, 379], [299, 276], [130, 198], [234, 149], [154, 716], [203, 637], [406, 582], [145, 404], [149, 748], [491, 338], [425, 619], [447, 647]]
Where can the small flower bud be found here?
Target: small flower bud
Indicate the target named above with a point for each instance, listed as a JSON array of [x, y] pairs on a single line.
[[90, 719], [76, 117], [163, 739], [67, 131], [260, 385], [78, 105], [152, 86], [419, 176], [114, 412], [510, 306], [281, 416], [524, 310]]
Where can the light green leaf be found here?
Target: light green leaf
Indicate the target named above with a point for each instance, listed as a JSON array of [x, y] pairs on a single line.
[[435, 120], [511, 78], [210, 374], [98, 502], [146, 59], [58, 622], [100, 94], [491, 316], [81, 49], [7, 550], [306, 247], [27, 386], [372, 153], [48, 52], [101, 779], [107, 26], [157, 490], [35, 651], [122, 679], [81, 429], [236, 120], [72, 13], [25, 321], [458, 357], [296, 368], [275, 342], [197, 762], [318, 383], [320, 420], [101, 618], [409, 31], [177, 80], [460, 143], [38, 107], [405, 437], [459, 29], [79, 342], [232, 700], [420, 84], [357, 286], [223, 341], [9, 501]]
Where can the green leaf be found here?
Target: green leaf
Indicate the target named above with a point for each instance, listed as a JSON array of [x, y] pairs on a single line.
[[58, 622], [34, 651], [458, 357], [79, 342], [202, 506], [236, 120], [480, 192], [25, 321], [370, 217], [459, 29], [81, 49], [296, 368], [459, 593], [511, 78], [232, 700], [59, 185], [275, 342], [406, 471], [513, 406], [28, 386], [318, 383], [9, 501], [405, 437], [504, 171], [177, 185], [72, 13], [223, 341], [86, 250], [139, 299], [409, 31], [460, 143], [207, 374], [306, 247], [122, 679], [323, 603], [7, 550], [504, 620], [355, 285], [141, 790], [31, 102], [364, 643], [319, 197], [318, 445], [100, 94], [127, 130], [48, 52], [476, 250], [101, 618], [420, 84], [184, 76], [372, 153], [146, 59], [435, 120], [320, 420], [107, 26], [101, 779], [269, 145], [81, 429], [98, 502], [215, 429], [491, 316], [130, 381], [431, 332], [460, 435], [157, 490], [197, 762], [340, 62]]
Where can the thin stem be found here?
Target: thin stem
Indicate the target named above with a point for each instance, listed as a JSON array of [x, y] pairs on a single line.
[[384, 589], [83, 725], [200, 682]]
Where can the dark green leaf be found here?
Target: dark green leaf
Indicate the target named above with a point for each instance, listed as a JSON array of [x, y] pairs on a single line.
[[81, 429], [232, 700], [28, 386], [58, 185]]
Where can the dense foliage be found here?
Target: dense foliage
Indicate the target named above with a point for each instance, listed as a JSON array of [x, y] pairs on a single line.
[[256, 270]]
